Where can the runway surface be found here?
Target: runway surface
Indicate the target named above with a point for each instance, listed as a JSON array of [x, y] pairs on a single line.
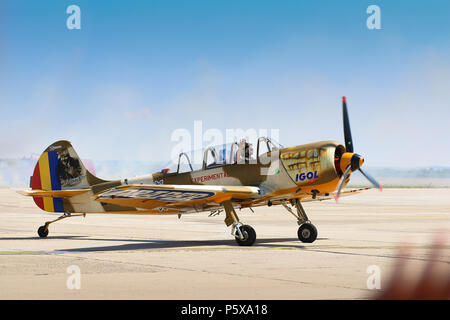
[[195, 257]]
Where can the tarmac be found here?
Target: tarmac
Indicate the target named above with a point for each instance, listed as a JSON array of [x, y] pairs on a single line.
[[195, 257]]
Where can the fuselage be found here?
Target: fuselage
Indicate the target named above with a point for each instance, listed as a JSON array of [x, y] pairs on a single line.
[[303, 169]]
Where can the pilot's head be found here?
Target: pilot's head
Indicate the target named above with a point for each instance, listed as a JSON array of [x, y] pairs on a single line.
[[248, 150]]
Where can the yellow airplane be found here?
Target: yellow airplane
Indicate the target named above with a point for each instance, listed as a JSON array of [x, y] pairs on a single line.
[[229, 178]]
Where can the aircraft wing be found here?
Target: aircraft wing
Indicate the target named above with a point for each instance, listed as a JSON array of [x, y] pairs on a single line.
[[174, 196], [343, 193], [279, 199]]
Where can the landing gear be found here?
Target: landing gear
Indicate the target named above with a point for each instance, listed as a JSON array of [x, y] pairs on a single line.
[[43, 230], [244, 234], [307, 232]]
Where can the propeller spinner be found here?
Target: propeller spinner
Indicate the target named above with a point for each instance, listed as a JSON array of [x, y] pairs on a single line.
[[350, 161]]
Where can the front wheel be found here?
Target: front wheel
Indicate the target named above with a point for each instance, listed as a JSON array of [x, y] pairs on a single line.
[[249, 236], [307, 232]]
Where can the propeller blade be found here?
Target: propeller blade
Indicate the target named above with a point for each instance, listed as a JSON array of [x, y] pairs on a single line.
[[372, 180], [347, 131], [341, 182]]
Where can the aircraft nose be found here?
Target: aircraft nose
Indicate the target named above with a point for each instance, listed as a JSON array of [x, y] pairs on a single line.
[[356, 161]]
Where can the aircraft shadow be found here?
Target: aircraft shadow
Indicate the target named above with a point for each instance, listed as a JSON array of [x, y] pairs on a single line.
[[38, 238], [149, 244], [174, 244]]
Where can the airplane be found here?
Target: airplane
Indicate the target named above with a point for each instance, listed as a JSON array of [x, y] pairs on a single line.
[[280, 176]]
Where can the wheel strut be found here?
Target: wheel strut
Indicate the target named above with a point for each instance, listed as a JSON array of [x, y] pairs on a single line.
[[43, 230], [307, 232], [301, 212], [244, 234]]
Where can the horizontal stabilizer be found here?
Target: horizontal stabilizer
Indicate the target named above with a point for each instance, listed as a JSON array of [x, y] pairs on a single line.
[[53, 193]]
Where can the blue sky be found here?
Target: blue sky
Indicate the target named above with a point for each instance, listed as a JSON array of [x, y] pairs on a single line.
[[138, 70]]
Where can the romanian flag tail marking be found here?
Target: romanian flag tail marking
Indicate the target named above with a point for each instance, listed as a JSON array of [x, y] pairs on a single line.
[[46, 178]]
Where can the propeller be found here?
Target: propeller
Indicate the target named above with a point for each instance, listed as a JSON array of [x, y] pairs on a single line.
[[348, 161], [347, 131]]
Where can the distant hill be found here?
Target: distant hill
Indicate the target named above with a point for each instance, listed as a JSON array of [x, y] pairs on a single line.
[[17, 172]]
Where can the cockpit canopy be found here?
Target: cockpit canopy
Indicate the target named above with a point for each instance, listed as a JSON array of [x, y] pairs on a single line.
[[215, 156]]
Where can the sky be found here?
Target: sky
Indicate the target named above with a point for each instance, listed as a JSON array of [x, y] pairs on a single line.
[[137, 71]]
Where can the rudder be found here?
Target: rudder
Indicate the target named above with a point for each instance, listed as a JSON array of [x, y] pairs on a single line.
[[59, 168]]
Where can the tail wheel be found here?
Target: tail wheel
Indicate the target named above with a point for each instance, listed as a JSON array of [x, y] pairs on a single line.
[[249, 236], [42, 232], [307, 232]]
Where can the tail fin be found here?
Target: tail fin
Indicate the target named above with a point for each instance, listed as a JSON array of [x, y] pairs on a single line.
[[60, 168]]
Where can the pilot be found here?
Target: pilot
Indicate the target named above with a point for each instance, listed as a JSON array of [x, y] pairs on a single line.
[[244, 152]]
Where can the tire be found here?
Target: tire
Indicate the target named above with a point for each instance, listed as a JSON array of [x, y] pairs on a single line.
[[249, 236], [42, 232], [307, 232]]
